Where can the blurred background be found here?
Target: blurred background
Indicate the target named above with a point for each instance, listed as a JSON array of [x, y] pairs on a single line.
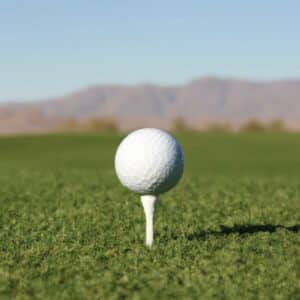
[[75, 66]]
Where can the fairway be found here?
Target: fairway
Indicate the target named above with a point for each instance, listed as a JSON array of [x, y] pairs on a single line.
[[229, 230]]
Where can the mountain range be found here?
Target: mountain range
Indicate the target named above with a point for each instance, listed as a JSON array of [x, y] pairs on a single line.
[[198, 102]]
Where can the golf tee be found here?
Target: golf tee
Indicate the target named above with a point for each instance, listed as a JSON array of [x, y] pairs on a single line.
[[149, 204]]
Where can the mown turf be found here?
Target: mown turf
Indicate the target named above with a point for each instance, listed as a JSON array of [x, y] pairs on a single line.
[[229, 230]]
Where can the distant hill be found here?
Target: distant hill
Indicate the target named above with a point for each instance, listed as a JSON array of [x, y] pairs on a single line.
[[199, 102]]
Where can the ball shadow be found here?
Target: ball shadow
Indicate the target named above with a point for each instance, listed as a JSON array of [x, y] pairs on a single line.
[[242, 230]]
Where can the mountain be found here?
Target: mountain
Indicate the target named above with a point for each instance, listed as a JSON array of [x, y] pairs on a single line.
[[199, 102]]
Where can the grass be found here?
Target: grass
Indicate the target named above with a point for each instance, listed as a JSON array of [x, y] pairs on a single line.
[[229, 230]]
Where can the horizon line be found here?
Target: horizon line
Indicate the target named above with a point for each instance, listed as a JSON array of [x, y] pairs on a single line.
[[150, 83]]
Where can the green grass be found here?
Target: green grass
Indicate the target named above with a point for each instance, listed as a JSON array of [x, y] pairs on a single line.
[[229, 230]]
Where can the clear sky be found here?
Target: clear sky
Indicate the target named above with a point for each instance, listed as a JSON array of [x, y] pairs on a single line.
[[49, 48]]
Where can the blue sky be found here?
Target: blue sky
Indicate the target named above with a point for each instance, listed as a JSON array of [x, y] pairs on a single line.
[[49, 48]]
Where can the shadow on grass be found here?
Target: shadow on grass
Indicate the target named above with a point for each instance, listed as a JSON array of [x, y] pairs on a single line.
[[242, 230]]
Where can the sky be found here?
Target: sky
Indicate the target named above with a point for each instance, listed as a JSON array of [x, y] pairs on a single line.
[[50, 48]]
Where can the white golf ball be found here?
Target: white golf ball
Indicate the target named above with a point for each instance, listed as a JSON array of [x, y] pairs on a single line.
[[149, 161]]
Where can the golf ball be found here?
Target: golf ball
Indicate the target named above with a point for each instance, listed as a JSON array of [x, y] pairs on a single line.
[[149, 161]]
